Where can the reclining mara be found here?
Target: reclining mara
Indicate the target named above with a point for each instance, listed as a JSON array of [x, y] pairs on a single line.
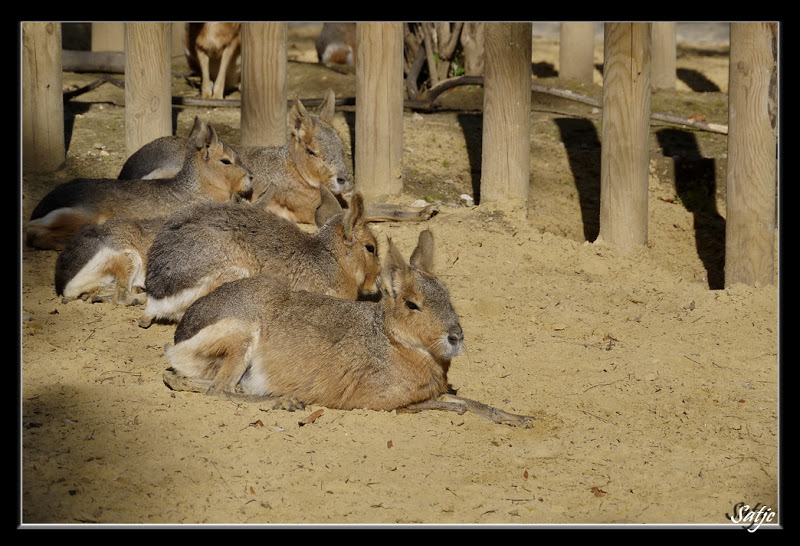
[[210, 171], [313, 157], [204, 246]]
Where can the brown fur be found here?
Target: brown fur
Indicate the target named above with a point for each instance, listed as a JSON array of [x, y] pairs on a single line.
[[213, 51], [257, 337], [106, 262], [203, 246], [336, 44], [313, 157], [211, 171]]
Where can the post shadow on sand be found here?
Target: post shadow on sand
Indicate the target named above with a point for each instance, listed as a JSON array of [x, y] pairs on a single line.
[[697, 81], [583, 150], [472, 129], [72, 109], [695, 186], [582, 144]]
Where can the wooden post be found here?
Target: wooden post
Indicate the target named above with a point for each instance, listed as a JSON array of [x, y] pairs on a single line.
[[43, 147], [108, 36], [379, 109], [625, 155], [752, 147], [264, 86], [505, 169], [576, 52], [178, 33], [664, 68], [148, 83]]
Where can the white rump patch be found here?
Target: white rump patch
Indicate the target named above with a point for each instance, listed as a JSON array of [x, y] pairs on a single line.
[[95, 277], [173, 307]]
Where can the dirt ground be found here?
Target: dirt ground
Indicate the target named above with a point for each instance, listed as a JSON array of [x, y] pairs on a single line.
[[654, 387]]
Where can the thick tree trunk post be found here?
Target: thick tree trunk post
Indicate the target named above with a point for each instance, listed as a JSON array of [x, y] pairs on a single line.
[[178, 32], [576, 52], [752, 162], [626, 134], [664, 69], [148, 83], [43, 147], [108, 36], [264, 85], [505, 169], [379, 109]]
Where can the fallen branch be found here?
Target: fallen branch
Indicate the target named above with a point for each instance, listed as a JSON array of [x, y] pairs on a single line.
[[95, 84], [430, 96], [426, 101]]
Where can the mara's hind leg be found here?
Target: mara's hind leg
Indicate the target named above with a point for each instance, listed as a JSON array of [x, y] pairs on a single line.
[[130, 278], [216, 356], [224, 67], [460, 405], [53, 230], [206, 83], [178, 382], [171, 308]]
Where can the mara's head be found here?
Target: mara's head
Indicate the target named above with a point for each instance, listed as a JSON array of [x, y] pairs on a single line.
[[355, 247], [418, 310], [316, 147], [220, 173]]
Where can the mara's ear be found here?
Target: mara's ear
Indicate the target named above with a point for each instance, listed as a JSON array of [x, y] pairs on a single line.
[[297, 113], [326, 109], [422, 257], [263, 200], [201, 133], [394, 270], [354, 217], [301, 123], [328, 206]]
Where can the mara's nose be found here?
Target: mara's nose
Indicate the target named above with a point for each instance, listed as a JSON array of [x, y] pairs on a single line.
[[455, 335], [342, 184]]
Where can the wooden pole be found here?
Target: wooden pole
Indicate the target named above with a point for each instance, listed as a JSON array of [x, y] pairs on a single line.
[[178, 33], [43, 147], [148, 83], [379, 109], [752, 162], [505, 169], [625, 135], [664, 64], [576, 52], [108, 36], [264, 85]]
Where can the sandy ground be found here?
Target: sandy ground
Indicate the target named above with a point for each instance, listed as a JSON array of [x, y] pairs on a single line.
[[655, 389]]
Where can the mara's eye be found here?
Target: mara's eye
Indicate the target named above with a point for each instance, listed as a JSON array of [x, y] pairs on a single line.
[[226, 161], [411, 305], [370, 249], [311, 152]]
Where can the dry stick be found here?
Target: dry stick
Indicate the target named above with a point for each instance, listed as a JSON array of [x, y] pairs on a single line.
[[426, 100], [95, 84], [429, 97]]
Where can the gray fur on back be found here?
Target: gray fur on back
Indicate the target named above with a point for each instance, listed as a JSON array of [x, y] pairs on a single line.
[[166, 153], [209, 237]]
